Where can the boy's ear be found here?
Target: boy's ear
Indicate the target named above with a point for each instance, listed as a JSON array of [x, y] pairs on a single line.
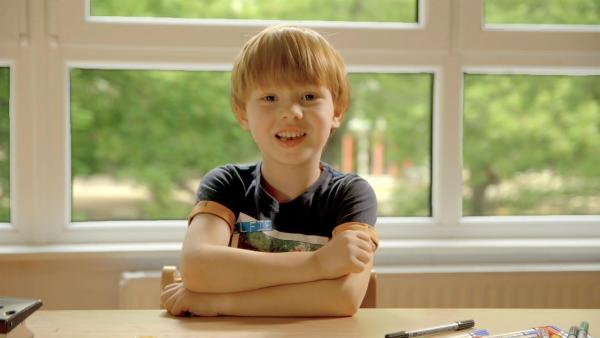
[[241, 117], [338, 116]]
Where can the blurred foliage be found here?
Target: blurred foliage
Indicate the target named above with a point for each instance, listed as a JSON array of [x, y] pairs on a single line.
[[159, 128], [516, 125], [4, 146], [163, 129], [329, 10], [574, 12], [397, 109]]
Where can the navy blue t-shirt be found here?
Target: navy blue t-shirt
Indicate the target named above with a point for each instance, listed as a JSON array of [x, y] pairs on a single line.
[[259, 222]]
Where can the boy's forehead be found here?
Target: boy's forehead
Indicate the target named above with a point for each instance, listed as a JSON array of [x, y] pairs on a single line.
[[269, 85], [274, 75]]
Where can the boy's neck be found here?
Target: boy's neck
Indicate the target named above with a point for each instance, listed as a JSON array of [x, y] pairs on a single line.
[[285, 182]]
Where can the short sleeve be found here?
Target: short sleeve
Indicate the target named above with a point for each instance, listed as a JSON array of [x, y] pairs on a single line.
[[357, 209], [357, 202], [219, 194]]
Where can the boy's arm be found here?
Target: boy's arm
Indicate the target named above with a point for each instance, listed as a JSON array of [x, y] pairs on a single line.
[[327, 297], [333, 297], [208, 265]]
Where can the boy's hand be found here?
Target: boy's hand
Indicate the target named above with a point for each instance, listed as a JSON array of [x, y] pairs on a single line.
[[179, 301], [348, 252]]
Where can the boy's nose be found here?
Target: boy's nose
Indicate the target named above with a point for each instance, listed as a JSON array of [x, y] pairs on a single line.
[[293, 111]]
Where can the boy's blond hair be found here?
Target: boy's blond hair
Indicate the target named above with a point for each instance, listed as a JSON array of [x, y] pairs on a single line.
[[288, 55]]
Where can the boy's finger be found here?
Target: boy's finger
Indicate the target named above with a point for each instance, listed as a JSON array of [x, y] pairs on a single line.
[[163, 298], [167, 291], [171, 286], [364, 257], [165, 295], [169, 304], [358, 264], [361, 234], [176, 309], [364, 236], [365, 245]]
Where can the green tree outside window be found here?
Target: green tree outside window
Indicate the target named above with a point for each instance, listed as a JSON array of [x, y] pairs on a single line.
[[152, 135], [531, 145], [328, 10], [560, 12]]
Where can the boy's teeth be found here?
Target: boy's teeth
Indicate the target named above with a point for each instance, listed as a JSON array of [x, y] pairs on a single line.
[[289, 134]]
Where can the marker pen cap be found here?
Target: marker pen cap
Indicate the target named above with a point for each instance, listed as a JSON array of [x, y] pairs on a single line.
[[583, 330], [465, 324], [401, 334], [573, 331]]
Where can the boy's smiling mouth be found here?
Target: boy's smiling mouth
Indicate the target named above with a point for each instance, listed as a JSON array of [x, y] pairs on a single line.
[[289, 135]]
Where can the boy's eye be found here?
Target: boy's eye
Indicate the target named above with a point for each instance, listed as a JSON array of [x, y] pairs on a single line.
[[269, 98], [308, 97]]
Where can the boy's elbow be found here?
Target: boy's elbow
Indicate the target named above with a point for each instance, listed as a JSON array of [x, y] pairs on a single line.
[[351, 295], [346, 310], [345, 307], [352, 302], [346, 303], [193, 270]]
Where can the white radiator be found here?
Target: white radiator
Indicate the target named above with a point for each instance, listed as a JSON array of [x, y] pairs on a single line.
[[579, 289], [141, 290]]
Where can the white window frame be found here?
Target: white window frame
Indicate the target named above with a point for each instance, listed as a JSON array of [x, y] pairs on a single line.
[[50, 37]]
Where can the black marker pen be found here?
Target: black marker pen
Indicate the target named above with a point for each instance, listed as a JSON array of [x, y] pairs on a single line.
[[465, 324]]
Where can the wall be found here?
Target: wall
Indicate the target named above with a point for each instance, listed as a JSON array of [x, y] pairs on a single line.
[[86, 281], [91, 281], [578, 289]]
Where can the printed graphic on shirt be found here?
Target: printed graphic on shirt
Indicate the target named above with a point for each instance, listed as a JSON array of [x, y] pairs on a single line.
[[258, 236]]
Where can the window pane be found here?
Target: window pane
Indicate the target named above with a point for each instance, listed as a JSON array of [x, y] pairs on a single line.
[[574, 12], [531, 145], [4, 146], [142, 140], [386, 138], [328, 10]]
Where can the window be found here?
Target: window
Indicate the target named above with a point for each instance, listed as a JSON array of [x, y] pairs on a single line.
[[576, 12], [4, 146], [114, 101], [331, 10], [531, 145], [386, 138], [141, 140]]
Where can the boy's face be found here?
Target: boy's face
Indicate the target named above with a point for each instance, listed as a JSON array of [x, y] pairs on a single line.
[[290, 123]]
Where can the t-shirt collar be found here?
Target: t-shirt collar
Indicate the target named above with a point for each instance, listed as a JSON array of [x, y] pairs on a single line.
[[264, 200]]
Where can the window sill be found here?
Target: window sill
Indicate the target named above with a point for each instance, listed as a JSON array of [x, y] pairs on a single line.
[[487, 255], [393, 256], [81, 251]]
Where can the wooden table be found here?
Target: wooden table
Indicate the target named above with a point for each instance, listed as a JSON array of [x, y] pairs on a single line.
[[366, 323]]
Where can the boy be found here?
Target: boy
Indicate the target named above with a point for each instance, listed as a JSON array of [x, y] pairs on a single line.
[[289, 235]]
